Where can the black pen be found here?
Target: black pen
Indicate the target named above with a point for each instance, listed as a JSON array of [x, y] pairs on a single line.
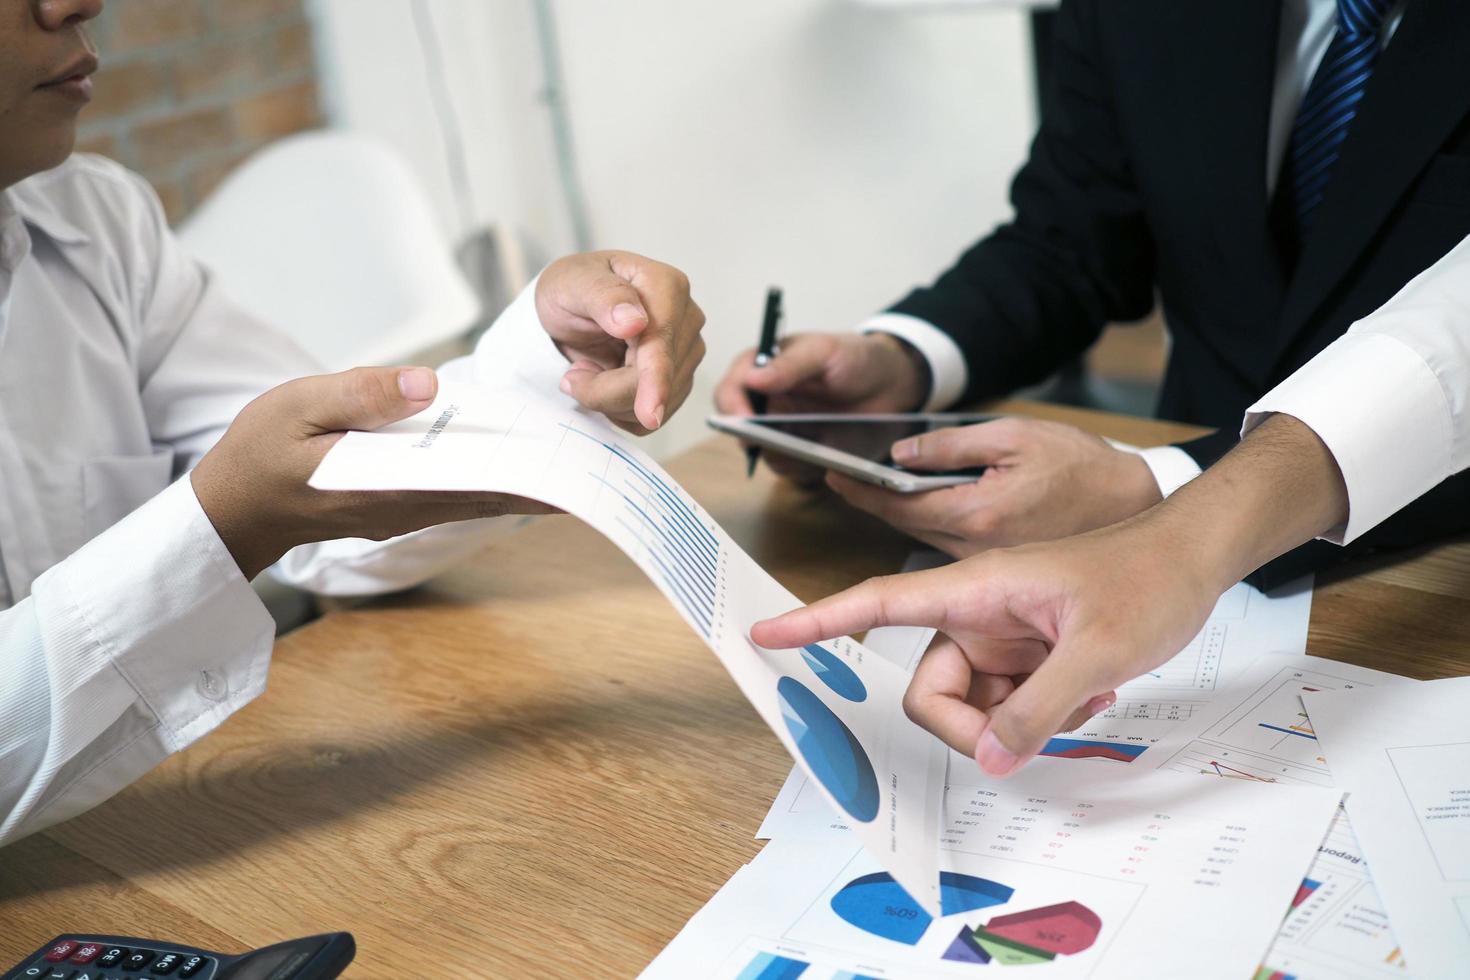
[[763, 355]]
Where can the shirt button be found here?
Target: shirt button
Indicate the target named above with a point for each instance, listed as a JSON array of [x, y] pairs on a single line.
[[212, 685]]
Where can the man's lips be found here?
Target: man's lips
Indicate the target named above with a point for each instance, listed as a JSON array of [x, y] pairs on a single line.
[[76, 70]]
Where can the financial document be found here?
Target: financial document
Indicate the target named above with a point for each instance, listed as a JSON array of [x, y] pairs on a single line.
[[1092, 871], [1260, 730], [835, 706], [1337, 928], [1245, 625], [1402, 754], [1255, 729]]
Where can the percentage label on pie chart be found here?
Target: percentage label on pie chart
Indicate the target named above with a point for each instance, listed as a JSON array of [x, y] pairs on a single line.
[[833, 752]]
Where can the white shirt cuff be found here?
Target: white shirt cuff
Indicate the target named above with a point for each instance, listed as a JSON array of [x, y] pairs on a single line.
[[516, 349], [164, 605], [1171, 466], [1382, 413], [948, 374]]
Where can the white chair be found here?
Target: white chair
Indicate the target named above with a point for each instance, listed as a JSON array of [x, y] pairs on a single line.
[[330, 237]]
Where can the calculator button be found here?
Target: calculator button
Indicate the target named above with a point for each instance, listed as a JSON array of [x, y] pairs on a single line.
[[167, 963], [87, 953], [87, 975], [39, 970], [192, 965], [113, 956], [61, 973], [138, 959], [62, 950]]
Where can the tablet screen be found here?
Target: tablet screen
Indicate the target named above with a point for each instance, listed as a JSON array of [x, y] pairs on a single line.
[[870, 438]]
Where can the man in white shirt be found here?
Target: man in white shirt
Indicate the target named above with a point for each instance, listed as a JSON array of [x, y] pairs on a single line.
[[1270, 172], [1037, 638], [146, 478]]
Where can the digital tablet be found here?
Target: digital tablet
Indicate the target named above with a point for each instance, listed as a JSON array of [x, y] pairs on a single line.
[[854, 445]]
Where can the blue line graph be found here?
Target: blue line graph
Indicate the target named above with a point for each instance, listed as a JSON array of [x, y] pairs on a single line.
[[680, 546]]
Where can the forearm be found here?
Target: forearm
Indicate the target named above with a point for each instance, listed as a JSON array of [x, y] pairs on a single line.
[[1280, 487], [128, 650]]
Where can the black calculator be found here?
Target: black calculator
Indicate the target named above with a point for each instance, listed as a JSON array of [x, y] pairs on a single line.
[[88, 957]]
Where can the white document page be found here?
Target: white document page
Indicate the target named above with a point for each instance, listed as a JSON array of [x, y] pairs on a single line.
[[1258, 730], [835, 706], [1337, 928], [1402, 753], [1090, 871], [1245, 625]]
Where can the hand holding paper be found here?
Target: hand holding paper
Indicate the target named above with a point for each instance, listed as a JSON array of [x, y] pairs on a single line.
[[252, 484]]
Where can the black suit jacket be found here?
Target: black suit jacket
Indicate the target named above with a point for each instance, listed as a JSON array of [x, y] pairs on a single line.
[[1149, 175]]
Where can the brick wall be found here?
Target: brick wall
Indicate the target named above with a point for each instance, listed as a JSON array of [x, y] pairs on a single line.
[[189, 88]]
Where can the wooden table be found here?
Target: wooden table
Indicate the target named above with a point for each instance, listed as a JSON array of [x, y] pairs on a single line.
[[531, 761]]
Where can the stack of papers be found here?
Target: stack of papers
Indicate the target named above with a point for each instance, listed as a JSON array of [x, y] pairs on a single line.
[[1088, 873]]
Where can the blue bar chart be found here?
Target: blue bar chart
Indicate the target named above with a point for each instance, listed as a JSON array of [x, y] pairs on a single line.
[[669, 529]]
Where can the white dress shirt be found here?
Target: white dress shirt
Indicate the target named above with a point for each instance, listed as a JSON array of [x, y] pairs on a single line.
[[1389, 397], [126, 629], [1306, 30]]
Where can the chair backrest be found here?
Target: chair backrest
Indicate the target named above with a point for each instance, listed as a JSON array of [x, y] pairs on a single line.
[[329, 237]]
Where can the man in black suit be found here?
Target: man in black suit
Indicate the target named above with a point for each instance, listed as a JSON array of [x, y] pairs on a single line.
[[1272, 170]]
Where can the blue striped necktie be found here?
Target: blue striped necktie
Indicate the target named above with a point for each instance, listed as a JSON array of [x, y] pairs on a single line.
[[1326, 113]]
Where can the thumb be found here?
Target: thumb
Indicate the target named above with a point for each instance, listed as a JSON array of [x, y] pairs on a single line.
[[1041, 706], [608, 300], [955, 448], [799, 359], [362, 398]]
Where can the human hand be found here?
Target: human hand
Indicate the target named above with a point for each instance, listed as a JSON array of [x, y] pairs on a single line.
[[827, 372], [252, 484], [629, 328], [1032, 640], [1044, 480]]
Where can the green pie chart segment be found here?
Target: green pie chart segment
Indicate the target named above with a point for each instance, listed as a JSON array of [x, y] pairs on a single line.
[[830, 749]]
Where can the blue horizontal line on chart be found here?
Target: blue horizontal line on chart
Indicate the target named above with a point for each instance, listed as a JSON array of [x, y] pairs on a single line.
[[672, 527], [665, 574], [675, 543], [670, 496], [701, 593]]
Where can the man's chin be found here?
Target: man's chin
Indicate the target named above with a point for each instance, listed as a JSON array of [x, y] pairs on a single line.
[[23, 157]]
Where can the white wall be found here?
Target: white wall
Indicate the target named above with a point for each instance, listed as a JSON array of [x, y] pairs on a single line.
[[841, 151]]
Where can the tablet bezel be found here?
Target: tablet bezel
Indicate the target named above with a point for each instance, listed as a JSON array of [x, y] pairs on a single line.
[[903, 481]]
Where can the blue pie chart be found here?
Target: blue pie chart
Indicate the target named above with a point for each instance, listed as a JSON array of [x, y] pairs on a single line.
[[879, 905], [830, 749], [833, 671]]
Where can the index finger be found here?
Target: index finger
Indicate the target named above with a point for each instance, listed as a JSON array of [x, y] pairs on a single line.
[[907, 600], [798, 359]]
